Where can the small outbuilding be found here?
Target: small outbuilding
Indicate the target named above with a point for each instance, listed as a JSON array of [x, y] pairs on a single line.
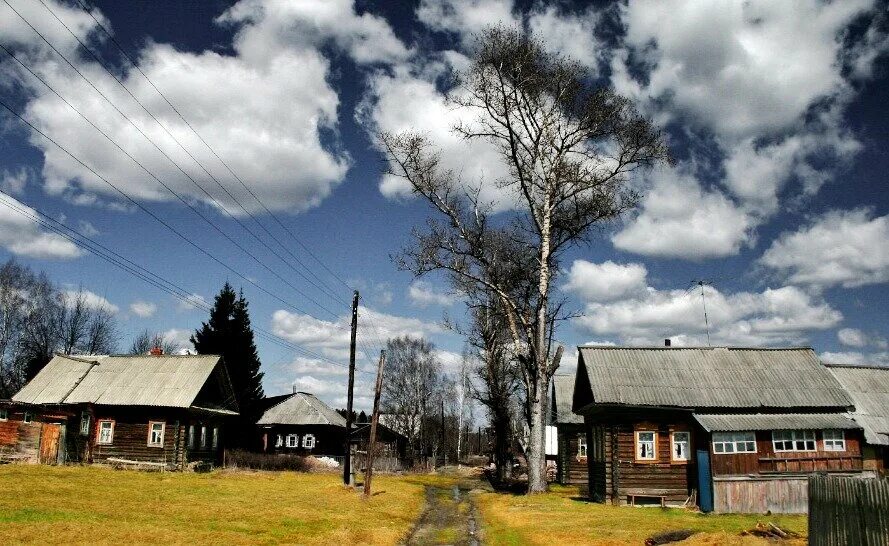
[[159, 411], [869, 388], [571, 440], [730, 429]]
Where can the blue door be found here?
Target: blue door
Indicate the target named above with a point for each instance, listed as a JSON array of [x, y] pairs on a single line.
[[705, 482]]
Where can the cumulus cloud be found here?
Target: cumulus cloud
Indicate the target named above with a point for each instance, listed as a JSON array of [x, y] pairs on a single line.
[[853, 337], [271, 100], [22, 235], [647, 316], [193, 301], [607, 281], [847, 248], [181, 338], [14, 181], [143, 309], [423, 294], [855, 357], [90, 299]]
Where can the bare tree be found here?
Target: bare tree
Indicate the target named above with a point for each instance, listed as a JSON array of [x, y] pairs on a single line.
[[569, 148], [145, 341], [413, 387]]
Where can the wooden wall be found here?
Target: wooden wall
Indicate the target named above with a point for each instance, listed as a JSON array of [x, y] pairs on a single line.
[[572, 469], [130, 439], [19, 441], [761, 494], [329, 440], [766, 461]]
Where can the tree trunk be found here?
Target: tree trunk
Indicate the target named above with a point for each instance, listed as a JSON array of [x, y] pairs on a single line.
[[536, 451]]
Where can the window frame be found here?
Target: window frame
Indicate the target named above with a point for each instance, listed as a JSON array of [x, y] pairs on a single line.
[[734, 442], [673, 443], [794, 440], [279, 441], [294, 437], [99, 440], [214, 442], [27, 417], [308, 441], [191, 437], [203, 436], [841, 440], [4, 414], [583, 449], [160, 442], [85, 422], [637, 442]]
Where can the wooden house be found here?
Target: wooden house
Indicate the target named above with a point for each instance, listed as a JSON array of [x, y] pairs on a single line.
[[571, 440], [732, 429], [151, 410], [869, 388]]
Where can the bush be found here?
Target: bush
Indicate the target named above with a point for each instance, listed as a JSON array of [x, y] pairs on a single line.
[[238, 458]]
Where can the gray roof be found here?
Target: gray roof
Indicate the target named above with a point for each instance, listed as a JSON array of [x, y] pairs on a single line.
[[563, 394], [777, 421], [302, 408], [869, 389], [710, 377], [137, 380]]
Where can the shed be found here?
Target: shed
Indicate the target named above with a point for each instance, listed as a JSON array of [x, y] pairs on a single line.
[[571, 440], [869, 388]]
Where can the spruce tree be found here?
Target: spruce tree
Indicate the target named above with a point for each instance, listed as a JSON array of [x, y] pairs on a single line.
[[228, 333]]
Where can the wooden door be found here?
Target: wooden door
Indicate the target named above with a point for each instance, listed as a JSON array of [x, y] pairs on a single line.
[[49, 443]]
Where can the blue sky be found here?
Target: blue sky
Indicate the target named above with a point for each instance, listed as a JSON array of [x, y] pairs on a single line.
[[775, 112]]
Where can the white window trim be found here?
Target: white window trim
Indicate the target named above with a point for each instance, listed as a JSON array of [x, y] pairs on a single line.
[[687, 442], [309, 441], [215, 440], [279, 441], [85, 421], [841, 440], [734, 442], [295, 438], [190, 436], [4, 414], [203, 436], [99, 440], [27, 417], [159, 443], [583, 449], [637, 443], [794, 439]]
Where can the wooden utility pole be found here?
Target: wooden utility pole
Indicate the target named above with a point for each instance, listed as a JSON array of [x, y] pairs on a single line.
[[347, 462], [444, 452], [375, 418]]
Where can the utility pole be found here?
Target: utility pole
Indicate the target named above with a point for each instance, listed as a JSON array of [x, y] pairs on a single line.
[[373, 425], [444, 452], [347, 462]]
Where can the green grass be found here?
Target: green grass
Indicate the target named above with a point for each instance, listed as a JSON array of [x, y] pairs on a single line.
[[556, 518], [96, 505]]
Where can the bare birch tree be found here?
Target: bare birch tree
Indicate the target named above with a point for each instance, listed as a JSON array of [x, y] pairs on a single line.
[[569, 148], [145, 341]]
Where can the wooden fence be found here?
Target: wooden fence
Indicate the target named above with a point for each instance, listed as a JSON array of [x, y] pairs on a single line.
[[848, 511]]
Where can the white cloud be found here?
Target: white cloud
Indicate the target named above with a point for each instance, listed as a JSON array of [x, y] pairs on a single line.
[[572, 35], [773, 316], [90, 299], [191, 302], [143, 309], [271, 100], [848, 248], [853, 337], [855, 357], [680, 219], [423, 294], [86, 228], [607, 281], [180, 337], [465, 17], [22, 236], [14, 181]]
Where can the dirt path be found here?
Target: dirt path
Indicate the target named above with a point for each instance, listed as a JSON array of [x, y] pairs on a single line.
[[449, 517]]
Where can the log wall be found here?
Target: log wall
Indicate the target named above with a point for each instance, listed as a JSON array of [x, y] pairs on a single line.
[[767, 461]]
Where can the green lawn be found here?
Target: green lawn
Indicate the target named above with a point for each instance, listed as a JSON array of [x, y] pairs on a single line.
[[95, 505], [557, 518]]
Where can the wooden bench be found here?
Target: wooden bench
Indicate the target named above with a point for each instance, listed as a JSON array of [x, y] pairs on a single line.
[[633, 496]]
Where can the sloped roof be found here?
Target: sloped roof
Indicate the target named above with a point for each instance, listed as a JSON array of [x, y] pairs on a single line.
[[869, 389], [780, 421], [707, 377], [133, 380], [302, 408], [563, 395]]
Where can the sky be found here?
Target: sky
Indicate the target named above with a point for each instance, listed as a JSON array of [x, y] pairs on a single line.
[[243, 147]]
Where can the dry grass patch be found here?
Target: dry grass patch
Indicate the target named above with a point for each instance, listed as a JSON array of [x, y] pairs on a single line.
[[72, 505], [556, 518]]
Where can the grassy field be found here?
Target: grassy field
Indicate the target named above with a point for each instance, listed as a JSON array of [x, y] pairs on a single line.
[[556, 518], [93, 505]]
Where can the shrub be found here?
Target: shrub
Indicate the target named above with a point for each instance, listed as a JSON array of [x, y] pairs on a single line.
[[238, 458]]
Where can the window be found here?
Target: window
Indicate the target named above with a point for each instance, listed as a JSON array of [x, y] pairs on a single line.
[[679, 445], [156, 433], [646, 445], [28, 417], [4, 414], [203, 437], [734, 442], [581, 445], [191, 436], [834, 440], [280, 441], [106, 432], [84, 424], [292, 440], [215, 437], [309, 441], [793, 440]]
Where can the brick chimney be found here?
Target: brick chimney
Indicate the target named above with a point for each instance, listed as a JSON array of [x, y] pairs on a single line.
[[156, 351], [667, 342]]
